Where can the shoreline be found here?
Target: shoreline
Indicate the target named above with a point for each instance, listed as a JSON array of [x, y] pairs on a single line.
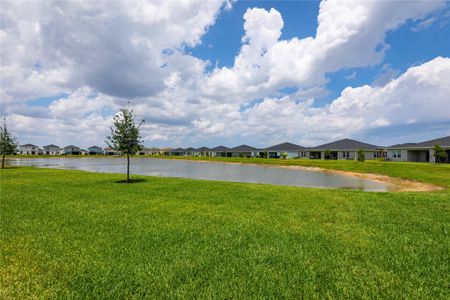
[[395, 184]]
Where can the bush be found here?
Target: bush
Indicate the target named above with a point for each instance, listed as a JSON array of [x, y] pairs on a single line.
[[440, 155], [284, 155], [327, 154], [361, 155]]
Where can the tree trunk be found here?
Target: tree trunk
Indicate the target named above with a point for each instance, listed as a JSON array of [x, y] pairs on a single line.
[[3, 161], [128, 167]]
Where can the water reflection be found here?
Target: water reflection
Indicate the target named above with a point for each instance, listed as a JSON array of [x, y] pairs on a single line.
[[209, 171]]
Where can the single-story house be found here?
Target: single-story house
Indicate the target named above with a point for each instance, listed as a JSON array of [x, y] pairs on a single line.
[[189, 151], [345, 149], [203, 151], [165, 151], [110, 151], [51, 149], [221, 151], [149, 151], [178, 152], [292, 150], [244, 151], [71, 150], [94, 150], [30, 149], [418, 152]]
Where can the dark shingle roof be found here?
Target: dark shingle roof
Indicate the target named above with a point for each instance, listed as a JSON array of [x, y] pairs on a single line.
[[346, 144], [202, 149], [72, 147], [178, 150], [94, 147], [443, 141], [190, 149], [51, 146], [286, 146], [405, 145], [243, 148], [220, 148], [28, 145]]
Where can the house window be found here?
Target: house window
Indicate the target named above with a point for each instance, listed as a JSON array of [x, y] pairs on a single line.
[[397, 153], [346, 154]]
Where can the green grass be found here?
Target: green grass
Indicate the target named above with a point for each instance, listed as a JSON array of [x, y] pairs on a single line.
[[72, 234]]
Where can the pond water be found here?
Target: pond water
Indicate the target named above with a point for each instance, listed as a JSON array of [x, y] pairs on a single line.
[[207, 170]]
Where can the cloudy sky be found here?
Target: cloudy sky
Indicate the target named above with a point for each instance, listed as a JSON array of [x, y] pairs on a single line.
[[204, 73]]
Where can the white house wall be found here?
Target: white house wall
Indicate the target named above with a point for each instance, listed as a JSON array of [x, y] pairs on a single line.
[[404, 155]]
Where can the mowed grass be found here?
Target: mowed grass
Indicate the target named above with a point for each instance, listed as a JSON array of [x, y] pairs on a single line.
[[72, 234]]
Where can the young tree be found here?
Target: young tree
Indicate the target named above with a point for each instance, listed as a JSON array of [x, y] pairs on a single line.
[[439, 154], [7, 142], [327, 154], [125, 135], [284, 155], [361, 155]]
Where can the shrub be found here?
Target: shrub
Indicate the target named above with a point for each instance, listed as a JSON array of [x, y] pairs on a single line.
[[327, 154], [440, 155], [361, 155]]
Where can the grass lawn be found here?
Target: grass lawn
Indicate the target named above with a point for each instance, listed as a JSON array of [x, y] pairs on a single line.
[[82, 235]]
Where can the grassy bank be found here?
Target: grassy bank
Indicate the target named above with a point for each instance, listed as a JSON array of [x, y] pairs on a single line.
[[82, 235]]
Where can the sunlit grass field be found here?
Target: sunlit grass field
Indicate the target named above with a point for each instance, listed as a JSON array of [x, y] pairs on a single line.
[[72, 234]]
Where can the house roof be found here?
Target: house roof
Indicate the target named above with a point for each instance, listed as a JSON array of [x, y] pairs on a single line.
[[94, 147], [72, 147], [243, 148], [346, 144], [402, 145], [203, 149], [443, 141], [220, 148], [286, 146], [28, 145], [51, 146], [178, 150], [190, 149]]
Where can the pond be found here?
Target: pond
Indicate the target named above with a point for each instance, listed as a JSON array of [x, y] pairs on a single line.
[[208, 170]]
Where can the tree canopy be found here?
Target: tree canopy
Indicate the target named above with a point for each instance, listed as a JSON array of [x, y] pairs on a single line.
[[125, 136], [8, 143]]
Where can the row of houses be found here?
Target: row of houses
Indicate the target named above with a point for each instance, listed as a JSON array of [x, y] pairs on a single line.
[[346, 149], [56, 150], [30, 149]]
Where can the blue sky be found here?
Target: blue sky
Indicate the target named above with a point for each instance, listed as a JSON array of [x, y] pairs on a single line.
[[255, 72], [408, 47], [223, 40]]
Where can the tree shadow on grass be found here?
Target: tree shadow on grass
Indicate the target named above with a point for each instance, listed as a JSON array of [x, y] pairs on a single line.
[[132, 180], [10, 167]]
